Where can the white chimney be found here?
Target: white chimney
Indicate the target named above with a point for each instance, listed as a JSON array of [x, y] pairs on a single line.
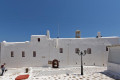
[[99, 34], [48, 34]]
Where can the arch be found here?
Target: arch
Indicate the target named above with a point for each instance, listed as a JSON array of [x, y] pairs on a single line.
[[55, 63]]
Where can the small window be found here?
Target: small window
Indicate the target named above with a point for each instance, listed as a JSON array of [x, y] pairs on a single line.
[[49, 62], [23, 54], [34, 53], [12, 54], [106, 48], [38, 39], [77, 50], [61, 50], [89, 50]]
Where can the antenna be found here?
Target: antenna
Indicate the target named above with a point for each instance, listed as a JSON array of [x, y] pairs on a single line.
[[58, 31]]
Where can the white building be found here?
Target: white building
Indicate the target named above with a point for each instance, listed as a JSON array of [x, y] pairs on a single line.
[[114, 58], [42, 49]]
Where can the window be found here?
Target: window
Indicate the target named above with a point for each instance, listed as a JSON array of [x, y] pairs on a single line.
[[12, 54], [89, 50], [34, 53], [23, 54], [61, 50], [38, 39], [106, 48], [49, 62], [76, 50]]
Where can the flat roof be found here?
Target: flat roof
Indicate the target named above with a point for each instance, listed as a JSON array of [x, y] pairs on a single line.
[[88, 38], [114, 45]]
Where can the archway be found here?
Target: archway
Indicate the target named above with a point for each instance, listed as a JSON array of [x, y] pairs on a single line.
[[55, 63]]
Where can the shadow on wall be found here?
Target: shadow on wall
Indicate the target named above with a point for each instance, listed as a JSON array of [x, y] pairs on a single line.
[[111, 74]]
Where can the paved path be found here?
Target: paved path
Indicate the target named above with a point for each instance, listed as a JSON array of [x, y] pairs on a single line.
[[72, 73], [68, 73]]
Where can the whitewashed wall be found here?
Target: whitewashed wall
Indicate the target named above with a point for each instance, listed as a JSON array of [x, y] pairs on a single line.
[[113, 67], [97, 45], [48, 49], [114, 59], [114, 54]]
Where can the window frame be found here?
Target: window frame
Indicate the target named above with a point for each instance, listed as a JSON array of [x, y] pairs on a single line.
[[89, 51], [60, 50], [107, 49], [34, 53], [77, 50], [12, 53], [38, 39], [23, 53]]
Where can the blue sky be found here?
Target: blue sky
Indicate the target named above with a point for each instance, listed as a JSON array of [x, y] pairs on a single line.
[[19, 19]]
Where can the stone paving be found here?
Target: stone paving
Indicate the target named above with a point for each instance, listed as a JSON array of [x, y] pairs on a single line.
[[66, 73], [72, 73]]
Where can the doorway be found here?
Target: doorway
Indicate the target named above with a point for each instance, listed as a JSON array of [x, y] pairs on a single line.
[[55, 63]]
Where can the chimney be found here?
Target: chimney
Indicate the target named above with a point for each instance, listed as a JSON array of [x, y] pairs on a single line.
[[98, 35], [77, 34], [48, 34]]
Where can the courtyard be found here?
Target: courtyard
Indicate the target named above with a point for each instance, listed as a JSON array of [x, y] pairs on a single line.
[[63, 73]]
